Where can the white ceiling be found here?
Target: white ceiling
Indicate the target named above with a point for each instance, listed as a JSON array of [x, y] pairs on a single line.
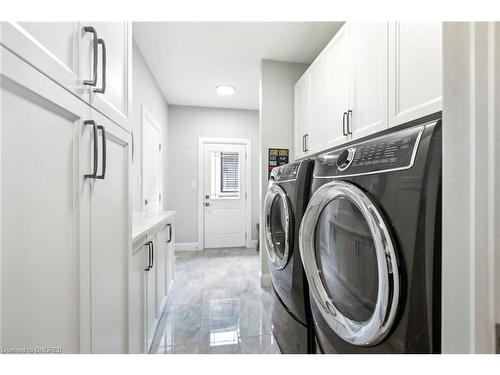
[[189, 59]]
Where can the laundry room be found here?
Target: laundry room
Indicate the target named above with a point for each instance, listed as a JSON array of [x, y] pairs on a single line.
[[259, 186]]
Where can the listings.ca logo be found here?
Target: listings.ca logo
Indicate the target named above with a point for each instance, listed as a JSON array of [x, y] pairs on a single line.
[[33, 350]]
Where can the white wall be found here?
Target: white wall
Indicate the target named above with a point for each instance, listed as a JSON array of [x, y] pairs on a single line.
[[186, 125], [145, 91], [471, 187], [276, 125]]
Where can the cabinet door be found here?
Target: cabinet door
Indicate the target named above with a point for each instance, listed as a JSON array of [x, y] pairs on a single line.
[[161, 262], [138, 333], [170, 257], [152, 297], [302, 114], [415, 79], [337, 81], [316, 138], [110, 239], [115, 101], [57, 49], [369, 85], [44, 244]]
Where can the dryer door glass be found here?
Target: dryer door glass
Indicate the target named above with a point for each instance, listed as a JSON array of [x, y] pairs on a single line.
[[277, 228], [346, 259], [350, 263], [278, 224]]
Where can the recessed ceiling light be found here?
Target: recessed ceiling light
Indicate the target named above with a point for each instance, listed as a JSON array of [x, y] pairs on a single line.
[[225, 90]]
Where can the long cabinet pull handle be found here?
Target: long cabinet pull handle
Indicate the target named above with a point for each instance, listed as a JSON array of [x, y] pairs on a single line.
[[344, 131], [102, 90], [349, 121], [152, 254], [306, 136], [93, 81], [169, 233], [96, 155], [149, 257], [103, 161]]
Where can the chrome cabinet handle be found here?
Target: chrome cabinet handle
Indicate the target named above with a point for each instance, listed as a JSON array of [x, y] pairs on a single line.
[[304, 143], [306, 137], [344, 132], [94, 173], [93, 81], [102, 90], [103, 162], [349, 122]]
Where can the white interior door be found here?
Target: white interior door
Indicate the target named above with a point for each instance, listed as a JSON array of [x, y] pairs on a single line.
[[151, 151], [224, 186]]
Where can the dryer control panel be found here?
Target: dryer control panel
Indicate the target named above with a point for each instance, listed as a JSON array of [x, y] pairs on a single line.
[[393, 151], [285, 172]]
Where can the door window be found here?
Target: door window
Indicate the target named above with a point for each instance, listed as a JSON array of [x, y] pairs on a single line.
[[277, 225], [225, 179]]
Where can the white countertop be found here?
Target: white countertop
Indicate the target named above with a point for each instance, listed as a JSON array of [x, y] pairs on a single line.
[[142, 222]]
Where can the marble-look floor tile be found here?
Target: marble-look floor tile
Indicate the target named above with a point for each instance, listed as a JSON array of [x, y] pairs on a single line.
[[265, 344], [217, 306]]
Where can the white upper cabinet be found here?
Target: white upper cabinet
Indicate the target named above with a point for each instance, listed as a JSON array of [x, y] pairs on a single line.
[[370, 76], [316, 135], [54, 48], [64, 51], [112, 92], [302, 114], [337, 73], [369, 79], [416, 70]]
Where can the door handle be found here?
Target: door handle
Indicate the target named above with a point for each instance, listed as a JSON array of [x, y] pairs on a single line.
[[103, 162], [102, 90], [306, 137], [96, 155], [169, 232], [344, 132], [93, 81], [349, 122]]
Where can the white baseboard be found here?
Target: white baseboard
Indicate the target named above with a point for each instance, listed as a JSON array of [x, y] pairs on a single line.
[[252, 244], [265, 280], [187, 246]]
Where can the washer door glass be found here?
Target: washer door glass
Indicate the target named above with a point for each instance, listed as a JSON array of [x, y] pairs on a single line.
[[346, 258], [350, 263], [277, 228]]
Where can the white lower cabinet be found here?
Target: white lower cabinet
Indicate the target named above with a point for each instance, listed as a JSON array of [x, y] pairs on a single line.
[[42, 269], [65, 238], [152, 273], [110, 227]]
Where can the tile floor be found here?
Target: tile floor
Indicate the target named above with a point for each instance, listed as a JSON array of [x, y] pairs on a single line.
[[217, 306]]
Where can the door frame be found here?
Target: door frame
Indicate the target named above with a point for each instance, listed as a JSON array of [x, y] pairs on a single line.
[[146, 115], [202, 141]]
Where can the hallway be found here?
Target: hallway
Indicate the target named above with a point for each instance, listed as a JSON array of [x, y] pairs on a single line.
[[217, 306]]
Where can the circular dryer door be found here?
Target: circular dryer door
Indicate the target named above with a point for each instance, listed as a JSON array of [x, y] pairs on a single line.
[[278, 226], [350, 262]]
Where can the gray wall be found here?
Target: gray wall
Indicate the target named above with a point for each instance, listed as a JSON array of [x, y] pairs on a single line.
[[186, 125], [145, 91], [276, 123]]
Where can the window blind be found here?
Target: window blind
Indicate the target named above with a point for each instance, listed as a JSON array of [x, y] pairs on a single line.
[[230, 172]]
